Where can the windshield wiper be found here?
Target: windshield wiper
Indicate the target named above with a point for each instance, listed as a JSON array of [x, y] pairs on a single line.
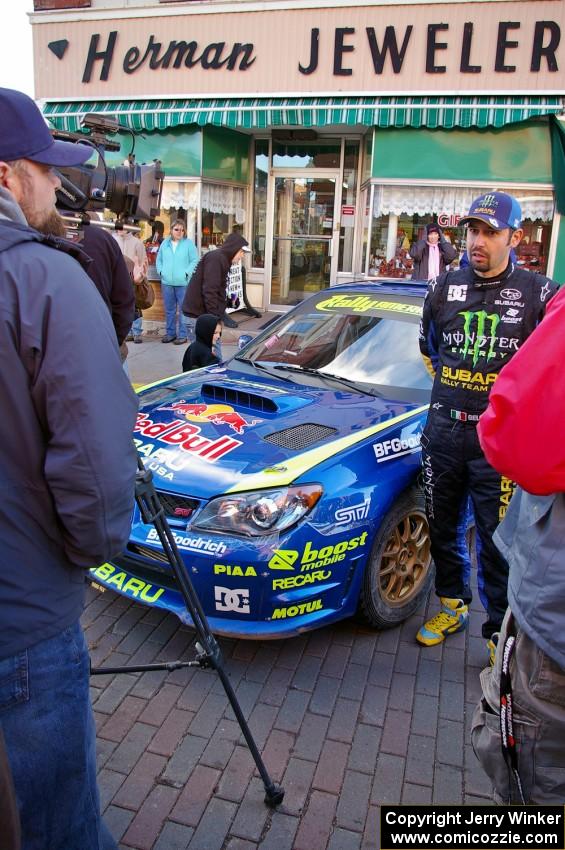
[[261, 367], [289, 367]]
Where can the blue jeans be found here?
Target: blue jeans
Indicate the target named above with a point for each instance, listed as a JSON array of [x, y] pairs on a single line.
[[189, 324], [173, 296], [47, 720], [137, 326]]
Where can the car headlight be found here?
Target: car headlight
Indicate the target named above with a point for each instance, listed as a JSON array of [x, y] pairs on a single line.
[[260, 512]]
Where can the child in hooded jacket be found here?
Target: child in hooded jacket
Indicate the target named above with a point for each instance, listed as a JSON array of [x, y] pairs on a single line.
[[208, 330]]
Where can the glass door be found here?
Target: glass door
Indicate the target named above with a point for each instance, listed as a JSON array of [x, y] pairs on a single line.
[[303, 237]]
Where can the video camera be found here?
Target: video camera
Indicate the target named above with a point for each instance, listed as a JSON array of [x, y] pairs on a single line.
[[131, 191]]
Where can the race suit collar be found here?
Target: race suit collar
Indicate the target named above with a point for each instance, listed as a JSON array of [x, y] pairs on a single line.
[[485, 282]]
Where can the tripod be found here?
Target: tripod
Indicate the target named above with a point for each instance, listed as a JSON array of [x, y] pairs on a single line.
[[208, 650]]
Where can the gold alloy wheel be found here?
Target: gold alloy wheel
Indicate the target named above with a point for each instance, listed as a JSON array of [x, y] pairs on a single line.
[[405, 560]]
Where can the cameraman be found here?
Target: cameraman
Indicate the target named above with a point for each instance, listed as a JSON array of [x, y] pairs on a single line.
[[67, 472]]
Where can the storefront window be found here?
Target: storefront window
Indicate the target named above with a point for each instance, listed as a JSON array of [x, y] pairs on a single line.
[[400, 215], [391, 237], [348, 209], [260, 203], [533, 250], [167, 216], [322, 153], [223, 212]]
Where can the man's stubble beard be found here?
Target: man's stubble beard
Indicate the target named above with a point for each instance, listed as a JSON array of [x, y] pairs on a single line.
[[51, 223]]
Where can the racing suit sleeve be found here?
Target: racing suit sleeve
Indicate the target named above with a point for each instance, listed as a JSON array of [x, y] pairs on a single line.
[[521, 431], [428, 335], [86, 408]]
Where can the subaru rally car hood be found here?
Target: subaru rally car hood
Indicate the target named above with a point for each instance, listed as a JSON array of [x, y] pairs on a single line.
[[217, 430]]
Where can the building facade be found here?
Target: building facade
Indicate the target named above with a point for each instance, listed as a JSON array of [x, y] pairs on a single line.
[[328, 133]]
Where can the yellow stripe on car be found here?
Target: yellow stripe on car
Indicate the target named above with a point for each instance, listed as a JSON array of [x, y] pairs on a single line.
[[285, 473], [140, 387]]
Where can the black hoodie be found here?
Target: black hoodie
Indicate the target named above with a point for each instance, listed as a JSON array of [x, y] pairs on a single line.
[[206, 292], [199, 353]]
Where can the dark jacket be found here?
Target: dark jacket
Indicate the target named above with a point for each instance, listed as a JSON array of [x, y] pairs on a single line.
[[111, 277], [199, 353], [472, 326], [67, 461], [420, 252], [206, 292]]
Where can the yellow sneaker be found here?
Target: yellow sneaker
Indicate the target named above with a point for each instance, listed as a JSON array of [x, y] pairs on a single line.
[[492, 643], [453, 617]]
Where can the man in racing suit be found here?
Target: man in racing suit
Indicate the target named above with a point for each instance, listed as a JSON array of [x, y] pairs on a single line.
[[474, 321]]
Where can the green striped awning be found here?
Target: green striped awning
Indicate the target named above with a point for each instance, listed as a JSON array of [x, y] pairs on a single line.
[[261, 113]]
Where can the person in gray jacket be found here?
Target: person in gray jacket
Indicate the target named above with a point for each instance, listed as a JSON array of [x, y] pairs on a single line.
[[67, 474], [519, 725]]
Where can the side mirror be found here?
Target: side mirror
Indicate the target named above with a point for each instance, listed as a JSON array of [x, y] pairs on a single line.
[[244, 340]]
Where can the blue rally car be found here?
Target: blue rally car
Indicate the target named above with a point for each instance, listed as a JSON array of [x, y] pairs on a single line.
[[289, 474]]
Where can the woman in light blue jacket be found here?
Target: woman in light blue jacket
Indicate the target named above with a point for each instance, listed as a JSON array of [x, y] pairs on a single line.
[[176, 261]]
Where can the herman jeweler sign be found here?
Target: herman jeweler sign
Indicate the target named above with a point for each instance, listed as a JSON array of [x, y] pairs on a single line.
[[426, 48]]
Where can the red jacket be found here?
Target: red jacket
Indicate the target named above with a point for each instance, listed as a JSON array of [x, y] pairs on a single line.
[[522, 430]]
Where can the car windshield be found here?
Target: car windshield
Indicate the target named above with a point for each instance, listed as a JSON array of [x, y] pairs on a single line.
[[365, 339]]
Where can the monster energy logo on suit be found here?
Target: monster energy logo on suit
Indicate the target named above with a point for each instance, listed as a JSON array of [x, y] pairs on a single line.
[[479, 338]]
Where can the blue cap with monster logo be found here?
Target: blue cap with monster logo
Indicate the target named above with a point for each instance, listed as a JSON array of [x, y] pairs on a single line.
[[497, 209]]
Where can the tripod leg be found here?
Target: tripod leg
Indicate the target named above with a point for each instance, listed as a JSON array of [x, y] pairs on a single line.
[[210, 656], [274, 794]]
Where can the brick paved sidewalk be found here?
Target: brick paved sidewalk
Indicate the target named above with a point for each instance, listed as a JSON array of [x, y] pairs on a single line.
[[346, 718]]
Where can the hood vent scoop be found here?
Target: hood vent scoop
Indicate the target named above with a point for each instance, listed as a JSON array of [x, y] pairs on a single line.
[[301, 436], [228, 395]]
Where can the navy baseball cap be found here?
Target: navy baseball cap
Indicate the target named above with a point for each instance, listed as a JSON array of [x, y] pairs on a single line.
[[25, 135], [497, 209]]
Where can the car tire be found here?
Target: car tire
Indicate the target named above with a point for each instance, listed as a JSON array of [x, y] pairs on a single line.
[[400, 570]]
